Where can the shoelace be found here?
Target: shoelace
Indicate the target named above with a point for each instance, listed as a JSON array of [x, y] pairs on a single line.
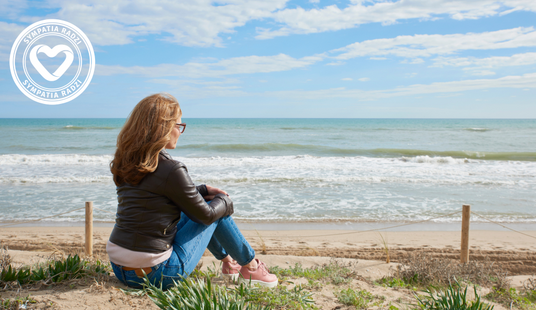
[[264, 268]]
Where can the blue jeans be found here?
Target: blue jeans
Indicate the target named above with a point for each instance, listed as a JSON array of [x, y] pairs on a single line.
[[222, 238]]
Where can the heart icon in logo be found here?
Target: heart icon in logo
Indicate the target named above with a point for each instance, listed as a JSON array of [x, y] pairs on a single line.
[[51, 52]]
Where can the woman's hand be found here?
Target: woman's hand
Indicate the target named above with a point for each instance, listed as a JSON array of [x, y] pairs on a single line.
[[213, 191]]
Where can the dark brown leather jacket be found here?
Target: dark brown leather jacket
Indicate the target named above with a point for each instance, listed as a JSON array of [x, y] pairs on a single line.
[[148, 213]]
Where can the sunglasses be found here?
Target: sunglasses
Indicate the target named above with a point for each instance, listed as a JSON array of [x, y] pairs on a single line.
[[182, 127]]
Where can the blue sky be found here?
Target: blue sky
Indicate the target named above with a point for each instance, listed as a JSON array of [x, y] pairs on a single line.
[[359, 59]]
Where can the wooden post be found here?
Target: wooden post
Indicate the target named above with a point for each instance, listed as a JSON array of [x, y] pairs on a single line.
[[89, 228], [466, 217]]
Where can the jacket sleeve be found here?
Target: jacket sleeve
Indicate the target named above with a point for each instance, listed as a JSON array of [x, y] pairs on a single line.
[[183, 192], [202, 189]]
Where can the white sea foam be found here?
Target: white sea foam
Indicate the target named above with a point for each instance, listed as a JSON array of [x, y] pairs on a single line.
[[54, 159], [437, 160], [309, 170], [286, 188], [42, 180]]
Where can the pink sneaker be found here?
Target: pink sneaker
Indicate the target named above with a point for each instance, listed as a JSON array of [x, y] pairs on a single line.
[[230, 270], [260, 276]]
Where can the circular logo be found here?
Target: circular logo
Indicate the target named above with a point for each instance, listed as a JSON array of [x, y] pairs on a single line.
[[52, 61]]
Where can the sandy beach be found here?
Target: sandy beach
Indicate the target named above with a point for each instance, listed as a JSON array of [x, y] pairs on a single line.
[[514, 252]]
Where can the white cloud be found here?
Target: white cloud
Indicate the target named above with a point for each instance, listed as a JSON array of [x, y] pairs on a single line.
[[197, 90], [332, 18], [518, 82], [8, 34], [12, 8], [427, 45], [336, 63], [483, 72], [347, 79], [189, 23], [230, 66], [364, 79], [414, 61], [477, 66]]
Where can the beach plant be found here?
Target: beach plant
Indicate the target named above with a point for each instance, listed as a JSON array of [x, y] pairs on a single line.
[[263, 244], [385, 245], [53, 271], [5, 258], [195, 293], [70, 268], [360, 299], [16, 303], [280, 297], [393, 282], [333, 272], [11, 274], [453, 298], [530, 284], [422, 269], [199, 291], [511, 297]]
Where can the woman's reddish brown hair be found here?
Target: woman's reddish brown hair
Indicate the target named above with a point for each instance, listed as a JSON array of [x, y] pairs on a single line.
[[146, 132]]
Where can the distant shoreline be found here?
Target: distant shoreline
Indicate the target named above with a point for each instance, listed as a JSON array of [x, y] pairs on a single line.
[[315, 225]]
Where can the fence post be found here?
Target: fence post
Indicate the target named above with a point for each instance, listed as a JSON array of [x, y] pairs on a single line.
[[89, 228], [466, 217]]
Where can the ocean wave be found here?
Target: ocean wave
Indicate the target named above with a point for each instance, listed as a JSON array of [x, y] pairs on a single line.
[[50, 148], [345, 180], [72, 127], [320, 150], [477, 129], [55, 159], [298, 128], [64, 179], [435, 160], [296, 181]]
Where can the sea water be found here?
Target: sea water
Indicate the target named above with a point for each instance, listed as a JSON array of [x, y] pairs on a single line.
[[288, 170]]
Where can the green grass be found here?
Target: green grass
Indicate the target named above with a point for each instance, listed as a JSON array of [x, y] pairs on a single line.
[[361, 299], [280, 297], [52, 272], [199, 292], [194, 294], [511, 297], [17, 303], [395, 283], [452, 298], [333, 272]]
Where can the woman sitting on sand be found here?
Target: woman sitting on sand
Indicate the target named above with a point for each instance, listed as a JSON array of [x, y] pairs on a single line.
[[164, 222]]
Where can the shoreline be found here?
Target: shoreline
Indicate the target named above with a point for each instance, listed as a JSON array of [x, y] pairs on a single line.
[[324, 225], [514, 251]]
